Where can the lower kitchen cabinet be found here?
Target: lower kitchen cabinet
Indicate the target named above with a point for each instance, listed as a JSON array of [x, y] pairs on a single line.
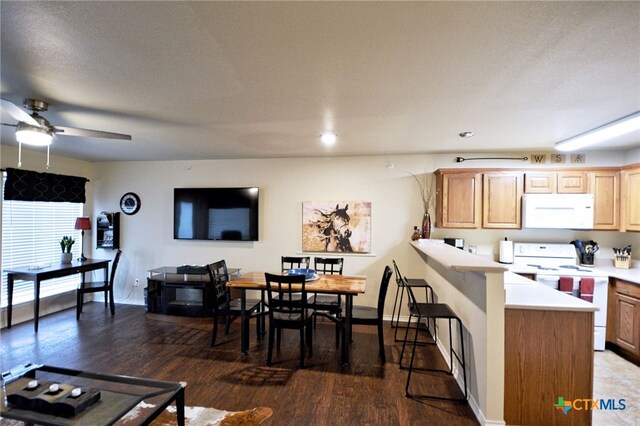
[[623, 319], [547, 354]]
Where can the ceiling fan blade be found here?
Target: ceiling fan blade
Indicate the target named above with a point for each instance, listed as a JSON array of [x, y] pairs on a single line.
[[18, 113], [74, 131]]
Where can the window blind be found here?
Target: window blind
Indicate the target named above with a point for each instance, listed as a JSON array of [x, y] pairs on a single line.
[[31, 234]]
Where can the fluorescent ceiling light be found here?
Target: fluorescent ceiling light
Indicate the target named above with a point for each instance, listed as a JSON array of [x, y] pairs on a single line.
[[328, 138], [616, 128], [31, 135]]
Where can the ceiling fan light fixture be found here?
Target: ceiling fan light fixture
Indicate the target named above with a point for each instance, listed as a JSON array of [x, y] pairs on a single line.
[[34, 136], [611, 130]]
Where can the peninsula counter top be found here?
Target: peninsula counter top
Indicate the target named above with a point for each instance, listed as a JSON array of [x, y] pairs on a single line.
[[523, 293], [456, 259]]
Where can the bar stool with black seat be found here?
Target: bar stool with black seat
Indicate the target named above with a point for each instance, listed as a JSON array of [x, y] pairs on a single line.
[[328, 305], [224, 306], [402, 282], [366, 315], [98, 286], [434, 311], [287, 306]]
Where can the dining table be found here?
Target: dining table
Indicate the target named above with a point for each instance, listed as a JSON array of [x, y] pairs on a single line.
[[345, 285]]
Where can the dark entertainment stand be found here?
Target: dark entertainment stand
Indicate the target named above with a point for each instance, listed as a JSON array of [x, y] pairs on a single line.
[[180, 290]]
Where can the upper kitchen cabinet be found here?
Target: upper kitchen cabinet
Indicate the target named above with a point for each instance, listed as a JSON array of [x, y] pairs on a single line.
[[572, 182], [561, 182], [605, 187], [501, 195], [630, 203], [458, 202], [540, 183]]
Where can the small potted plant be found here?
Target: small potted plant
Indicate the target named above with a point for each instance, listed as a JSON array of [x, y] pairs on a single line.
[[65, 244]]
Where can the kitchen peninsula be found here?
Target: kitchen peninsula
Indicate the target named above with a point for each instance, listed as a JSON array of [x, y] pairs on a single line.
[[517, 332]]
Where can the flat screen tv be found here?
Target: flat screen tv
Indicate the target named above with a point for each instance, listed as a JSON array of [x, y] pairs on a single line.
[[228, 214]]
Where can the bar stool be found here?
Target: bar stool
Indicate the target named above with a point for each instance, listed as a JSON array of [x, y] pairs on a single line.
[[402, 282], [434, 311]]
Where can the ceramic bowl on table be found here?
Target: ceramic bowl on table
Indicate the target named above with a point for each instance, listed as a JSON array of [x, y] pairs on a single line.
[[309, 274]]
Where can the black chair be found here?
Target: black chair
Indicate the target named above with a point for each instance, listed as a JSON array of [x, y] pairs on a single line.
[[366, 315], [327, 305], [433, 311], [287, 306], [293, 262], [402, 282], [98, 286], [224, 306]]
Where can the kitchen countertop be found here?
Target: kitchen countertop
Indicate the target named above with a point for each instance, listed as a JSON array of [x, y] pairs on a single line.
[[523, 293], [602, 267]]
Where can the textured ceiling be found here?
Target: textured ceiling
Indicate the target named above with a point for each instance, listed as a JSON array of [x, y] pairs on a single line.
[[199, 80]]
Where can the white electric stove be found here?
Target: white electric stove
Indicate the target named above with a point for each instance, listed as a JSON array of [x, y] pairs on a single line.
[[552, 261]]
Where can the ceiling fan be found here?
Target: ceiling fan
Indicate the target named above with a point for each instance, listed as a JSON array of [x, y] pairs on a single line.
[[33, 129]]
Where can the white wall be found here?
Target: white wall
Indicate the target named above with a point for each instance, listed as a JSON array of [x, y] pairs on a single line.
[[147, 237]]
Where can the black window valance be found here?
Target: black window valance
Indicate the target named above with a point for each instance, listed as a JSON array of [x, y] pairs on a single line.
[[27, 185]]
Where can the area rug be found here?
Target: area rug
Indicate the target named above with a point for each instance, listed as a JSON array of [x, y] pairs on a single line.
[[201, 416], [194, 416]]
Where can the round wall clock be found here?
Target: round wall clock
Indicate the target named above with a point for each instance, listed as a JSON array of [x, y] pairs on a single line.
[[130, 203]]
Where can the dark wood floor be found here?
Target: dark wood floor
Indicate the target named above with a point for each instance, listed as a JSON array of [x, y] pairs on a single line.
[[136, 343]]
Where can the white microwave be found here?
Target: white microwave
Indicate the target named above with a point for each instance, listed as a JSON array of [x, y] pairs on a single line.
[[559, 211]]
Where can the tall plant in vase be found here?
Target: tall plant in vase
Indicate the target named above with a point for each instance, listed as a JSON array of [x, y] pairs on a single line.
[[427, 187]]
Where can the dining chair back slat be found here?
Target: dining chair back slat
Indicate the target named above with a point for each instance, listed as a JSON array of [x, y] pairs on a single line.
[[293, 262]]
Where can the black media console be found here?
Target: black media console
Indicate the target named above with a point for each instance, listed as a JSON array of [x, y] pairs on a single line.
[[180, 290]]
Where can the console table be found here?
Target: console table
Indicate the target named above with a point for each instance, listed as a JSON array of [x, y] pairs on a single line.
[[37, 275], [181, 290]]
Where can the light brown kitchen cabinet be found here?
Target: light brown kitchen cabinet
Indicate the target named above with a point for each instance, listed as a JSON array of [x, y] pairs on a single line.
[[630, 200], [540, 182], [458, 202], [561, 182], [571, 182], [501, 200], [605, 187], [623, 318]]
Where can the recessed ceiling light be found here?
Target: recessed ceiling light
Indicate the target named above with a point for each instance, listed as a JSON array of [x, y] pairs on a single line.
[[466, 134], [328, 138]]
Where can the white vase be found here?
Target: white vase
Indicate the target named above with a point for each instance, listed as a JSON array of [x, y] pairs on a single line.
[[66, 257]]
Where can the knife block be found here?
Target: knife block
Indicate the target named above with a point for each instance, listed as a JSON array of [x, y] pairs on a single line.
[[622, 262]]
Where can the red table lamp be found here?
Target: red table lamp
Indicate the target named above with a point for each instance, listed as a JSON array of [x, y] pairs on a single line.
[[84, 224]]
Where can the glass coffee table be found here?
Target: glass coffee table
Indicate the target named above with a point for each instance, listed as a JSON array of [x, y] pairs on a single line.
[[137, 400]]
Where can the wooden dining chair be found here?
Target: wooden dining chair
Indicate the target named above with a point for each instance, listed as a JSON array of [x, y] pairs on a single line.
[[105, 286], [287, 310], [293, 262], [367, 315], [226, 307], [328, 305]]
